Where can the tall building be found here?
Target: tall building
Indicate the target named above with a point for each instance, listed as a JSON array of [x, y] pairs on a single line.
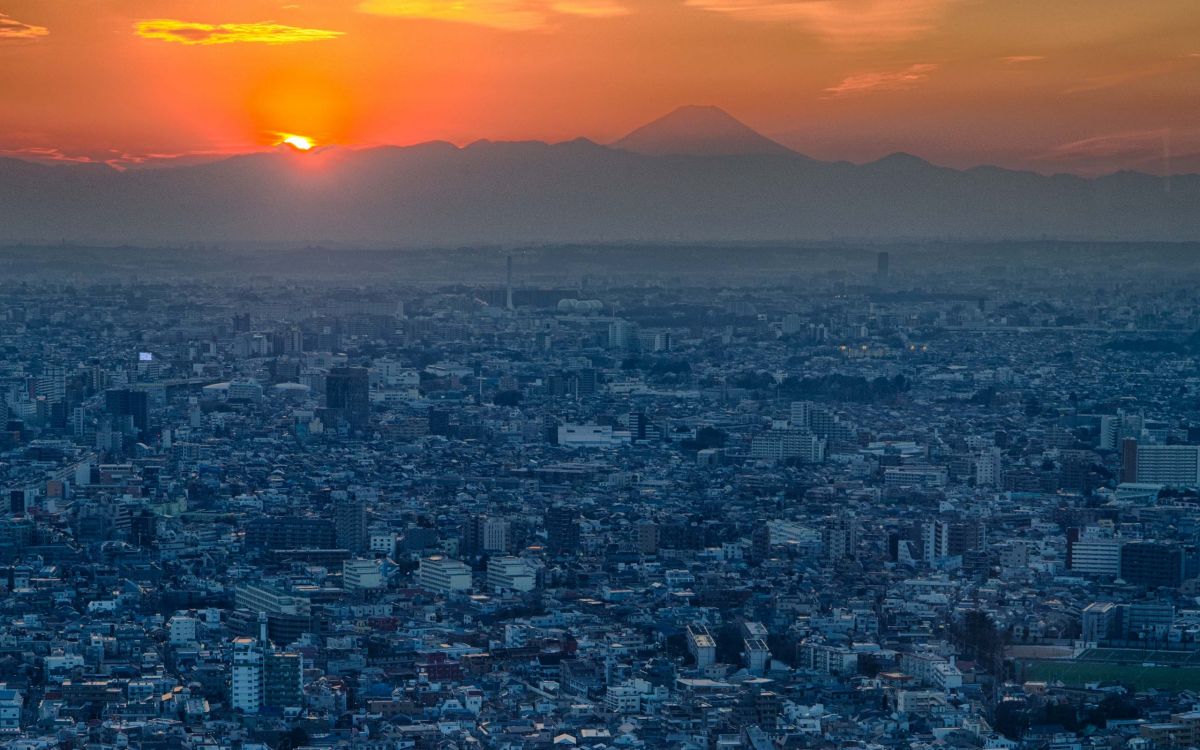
[[283, 680], [988, 468], [948, 538], [484, 535], [350, 523], [1152, 564], [839, 538], [246, 676], [133, 405], [347, 389], [882, 263], [562, 530]]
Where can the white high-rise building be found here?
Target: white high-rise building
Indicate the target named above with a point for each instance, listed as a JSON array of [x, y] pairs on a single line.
[[988, 468], [246, 677]]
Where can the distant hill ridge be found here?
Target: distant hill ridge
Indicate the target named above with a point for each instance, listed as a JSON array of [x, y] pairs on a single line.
[[696, 174]]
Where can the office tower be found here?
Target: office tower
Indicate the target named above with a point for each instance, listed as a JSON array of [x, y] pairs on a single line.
[[638, 423], [143, 528], [482, 535], [131, 404], [1152, 564], [283, 680], [622, 335], [1129, 460], [839, 538], [562, 530], [350, 522], [950, 538], [348, 390], [882, 261]]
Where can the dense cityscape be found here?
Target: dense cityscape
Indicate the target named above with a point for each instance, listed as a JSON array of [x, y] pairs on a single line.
[[878, 501]]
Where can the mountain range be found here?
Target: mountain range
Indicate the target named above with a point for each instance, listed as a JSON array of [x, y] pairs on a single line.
[[695, 175]]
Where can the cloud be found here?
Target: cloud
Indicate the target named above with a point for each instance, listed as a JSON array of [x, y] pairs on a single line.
[[11, 28], [840, 21], [186, 32], [510, 15], [890, 80], [1137, 143], [1021, 59]]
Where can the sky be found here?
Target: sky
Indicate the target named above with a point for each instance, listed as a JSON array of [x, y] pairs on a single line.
[[1082, 86]]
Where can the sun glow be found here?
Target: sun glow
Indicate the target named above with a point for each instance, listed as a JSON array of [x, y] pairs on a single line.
[[298, 142]]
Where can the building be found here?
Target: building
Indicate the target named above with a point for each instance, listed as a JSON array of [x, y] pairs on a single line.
[[948, 538], [839, 538], [362, 575], [756, 655], [510, 574], [246, 676], [485, 535], [1173, 465], [592, 436], [1094, 556], [283, 680], [988, 468], [350, 523], [1154, 564], [701, 645], [442, 575], [780, 445], [562, 530], [11, 703], [348, 390]]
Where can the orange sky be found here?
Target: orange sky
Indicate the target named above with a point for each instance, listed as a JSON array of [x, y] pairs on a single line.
[[1052, 85]]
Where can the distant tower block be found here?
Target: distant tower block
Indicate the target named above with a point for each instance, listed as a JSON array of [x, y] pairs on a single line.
[[508, 302], [881, 266]]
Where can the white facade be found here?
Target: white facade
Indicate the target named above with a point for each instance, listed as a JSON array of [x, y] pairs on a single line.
[[360, 574], [592, 436], [443, 575], [1176, 465], [246, 677], [510, 574]]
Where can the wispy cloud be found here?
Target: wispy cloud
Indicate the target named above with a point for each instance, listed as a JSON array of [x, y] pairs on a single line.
[[46, 154], [1123, 77], [840, 21], [1021, 59], [11, 28], [511, 15], [887, 80], [1135, 143], [267, 32]]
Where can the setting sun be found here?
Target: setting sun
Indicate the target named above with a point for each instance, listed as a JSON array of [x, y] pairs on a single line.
[[298, 142]]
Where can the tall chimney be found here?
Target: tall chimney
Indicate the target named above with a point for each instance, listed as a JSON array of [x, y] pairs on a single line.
[[508, 303]]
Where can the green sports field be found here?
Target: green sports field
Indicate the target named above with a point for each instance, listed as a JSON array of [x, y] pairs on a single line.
[[1079, 673]]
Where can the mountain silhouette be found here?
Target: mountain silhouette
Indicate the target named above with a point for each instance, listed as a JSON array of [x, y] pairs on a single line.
[[438, 194], [699, 131]]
